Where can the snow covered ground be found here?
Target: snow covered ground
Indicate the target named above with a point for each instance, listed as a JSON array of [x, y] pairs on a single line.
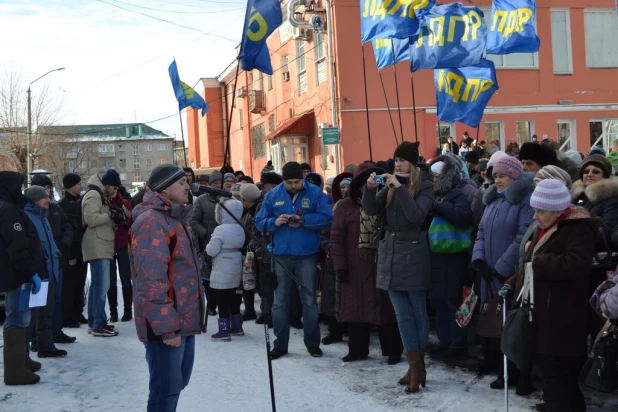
[[110, 374]]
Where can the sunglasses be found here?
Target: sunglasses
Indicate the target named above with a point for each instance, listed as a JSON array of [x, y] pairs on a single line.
[[592, 171]]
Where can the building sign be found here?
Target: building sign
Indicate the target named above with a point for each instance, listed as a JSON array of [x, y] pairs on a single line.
[[330, 135]]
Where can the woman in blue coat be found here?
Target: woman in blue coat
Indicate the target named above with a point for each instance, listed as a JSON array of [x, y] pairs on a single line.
[[505, 221]]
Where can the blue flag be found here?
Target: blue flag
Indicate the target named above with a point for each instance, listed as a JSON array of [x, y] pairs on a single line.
[[185, 94], [452, 35], [462, 94], [511, 28], [261, 19], [392, 19], [383, 51]]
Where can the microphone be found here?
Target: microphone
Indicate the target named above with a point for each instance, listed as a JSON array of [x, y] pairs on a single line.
[[201, 190]]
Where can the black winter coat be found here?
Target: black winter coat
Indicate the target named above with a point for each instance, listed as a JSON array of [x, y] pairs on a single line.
[[21, 256], [72, 208], [62, 230], [601, 200]]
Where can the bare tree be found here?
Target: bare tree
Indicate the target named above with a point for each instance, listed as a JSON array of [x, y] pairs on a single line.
[[46, 109], [70, 155]]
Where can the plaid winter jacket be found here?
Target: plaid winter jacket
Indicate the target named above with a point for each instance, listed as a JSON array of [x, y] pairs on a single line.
[[168, 295]]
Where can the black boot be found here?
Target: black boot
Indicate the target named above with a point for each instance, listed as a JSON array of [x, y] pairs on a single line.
[[112, 298], [249, 299], [127, 297], [15, 369]]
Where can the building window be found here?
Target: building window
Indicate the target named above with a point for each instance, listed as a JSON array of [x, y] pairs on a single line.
[[106, 148], [137, 177], [123, 176], [121, 148], [271, 123], [162, 147], [524, 130], [123, 163], [136, 163], [565, 134], [261, 81], [514, 60], [285, 68], [494, 132], [320, 59], [270, 82], [148, 161], [135, 150], [601, 32], [148, 147], [301, 66], [108, 164], [445, 130], [561, 41], [240, 119], [164, 160], [250, 81], [257, 134]]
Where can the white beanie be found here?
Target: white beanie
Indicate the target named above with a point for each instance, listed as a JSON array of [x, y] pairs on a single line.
[[495, 157], [437, 167]]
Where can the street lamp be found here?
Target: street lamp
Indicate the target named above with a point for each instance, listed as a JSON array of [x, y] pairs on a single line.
[[28, 163]]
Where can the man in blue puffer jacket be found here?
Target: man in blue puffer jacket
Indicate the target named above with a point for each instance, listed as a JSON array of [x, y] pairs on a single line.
[[293, 214]]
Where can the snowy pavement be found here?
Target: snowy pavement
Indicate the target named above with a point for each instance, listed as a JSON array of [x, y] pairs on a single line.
[[110, 374]]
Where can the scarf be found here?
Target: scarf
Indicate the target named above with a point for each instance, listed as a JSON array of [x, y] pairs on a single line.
[[367, 223], [563, 216]]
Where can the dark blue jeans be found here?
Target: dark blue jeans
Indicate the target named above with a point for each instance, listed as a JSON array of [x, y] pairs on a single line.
[[15, 318], [411, 310], [170, 370], [305, 270], [57, 313]]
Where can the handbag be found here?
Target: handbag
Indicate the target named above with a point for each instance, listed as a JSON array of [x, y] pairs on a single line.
[[605, 260], [490, 318], [519, 332], [466, 310], [444, 237], [601, 369]]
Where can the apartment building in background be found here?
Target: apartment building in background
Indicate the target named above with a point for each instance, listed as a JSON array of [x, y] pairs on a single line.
[[133, 150], [565, 91]]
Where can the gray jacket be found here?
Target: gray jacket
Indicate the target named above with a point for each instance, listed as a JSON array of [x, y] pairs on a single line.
[[203, 222], [403, 252]]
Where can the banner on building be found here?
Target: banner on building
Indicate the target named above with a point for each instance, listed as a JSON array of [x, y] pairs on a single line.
[[392, 19], [185, 94], [511, 27], [462, 94], [452, 35], [383, 51], [261, 19]]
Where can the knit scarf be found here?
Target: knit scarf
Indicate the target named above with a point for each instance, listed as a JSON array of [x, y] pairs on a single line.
[[367, 223]]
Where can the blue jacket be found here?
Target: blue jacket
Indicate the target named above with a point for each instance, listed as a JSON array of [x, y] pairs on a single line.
[[51, 253], [316, 213]]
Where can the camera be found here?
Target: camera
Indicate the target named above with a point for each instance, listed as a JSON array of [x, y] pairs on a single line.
[[294, 219], [379, 179]]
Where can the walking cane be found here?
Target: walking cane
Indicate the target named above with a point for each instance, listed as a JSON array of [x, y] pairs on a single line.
[[506, 372]]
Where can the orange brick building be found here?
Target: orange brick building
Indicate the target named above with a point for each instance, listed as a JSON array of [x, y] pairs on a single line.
[[565, 91]]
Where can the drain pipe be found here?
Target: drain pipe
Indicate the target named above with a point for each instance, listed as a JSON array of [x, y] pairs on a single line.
[[307, 25]]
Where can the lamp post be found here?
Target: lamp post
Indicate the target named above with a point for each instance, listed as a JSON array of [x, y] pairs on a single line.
[[28, 161]]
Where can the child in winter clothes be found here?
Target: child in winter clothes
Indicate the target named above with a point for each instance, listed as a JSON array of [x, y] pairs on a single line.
[[224, 247]]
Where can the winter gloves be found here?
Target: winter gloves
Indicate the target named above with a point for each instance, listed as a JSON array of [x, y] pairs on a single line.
[[343, 276], [483, 269], [36, 284]]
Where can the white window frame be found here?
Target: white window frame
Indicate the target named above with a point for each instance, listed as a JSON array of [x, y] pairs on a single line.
[[148, 147], [453, 133], [535, 56], [136, 175], [135, 150], [162, 147], [136, 163], [502, 134], [301, 65], [320, 58], [250, 82], [567, 14], [532, 128], [573, 131], [590, 11]]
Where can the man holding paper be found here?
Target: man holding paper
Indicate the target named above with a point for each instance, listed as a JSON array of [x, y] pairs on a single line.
[[20, 259]]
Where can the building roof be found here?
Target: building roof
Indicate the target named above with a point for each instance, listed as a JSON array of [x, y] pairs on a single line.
[[105, 132]]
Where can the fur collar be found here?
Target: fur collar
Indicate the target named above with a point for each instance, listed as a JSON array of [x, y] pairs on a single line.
[[596, 192], [450, 175], [515, 193], [578, 214]]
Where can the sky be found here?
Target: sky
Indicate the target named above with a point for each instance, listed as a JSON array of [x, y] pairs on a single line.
[[116, 60]]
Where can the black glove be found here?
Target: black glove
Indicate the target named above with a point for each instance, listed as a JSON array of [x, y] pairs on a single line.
[[118, 216], [506, 292], [343, 276], [483, 269]]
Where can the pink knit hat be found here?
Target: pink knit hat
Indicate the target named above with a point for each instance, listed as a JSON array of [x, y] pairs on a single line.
[[509, 166], [551, 195], [495, 157]]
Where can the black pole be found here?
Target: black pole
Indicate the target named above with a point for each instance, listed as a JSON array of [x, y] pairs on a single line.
[[184, 144], [229, 122], [267, 320], [388, 108], [397, 92], [414, 107], [367, 104], [438, 133]]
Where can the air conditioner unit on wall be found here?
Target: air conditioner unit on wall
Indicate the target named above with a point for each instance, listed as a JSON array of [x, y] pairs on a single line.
[[301, 34], [320, 127], [241, 92]]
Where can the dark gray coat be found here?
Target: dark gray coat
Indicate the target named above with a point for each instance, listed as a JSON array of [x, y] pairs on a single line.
[[203, 222], [403, 252]]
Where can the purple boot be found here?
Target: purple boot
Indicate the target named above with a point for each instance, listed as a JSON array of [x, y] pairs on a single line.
[[236, 329], [224, 331]]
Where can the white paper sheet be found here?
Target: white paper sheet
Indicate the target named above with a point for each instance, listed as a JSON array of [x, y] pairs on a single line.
[[40, 299]]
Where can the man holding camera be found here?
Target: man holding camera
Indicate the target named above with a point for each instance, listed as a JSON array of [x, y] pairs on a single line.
[[294, 214]]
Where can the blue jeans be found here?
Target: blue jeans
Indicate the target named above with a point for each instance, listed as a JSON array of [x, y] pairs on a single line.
[[411, 310], [57, 312], [170, 370], [15, 318], [97, 293], [305, 270]]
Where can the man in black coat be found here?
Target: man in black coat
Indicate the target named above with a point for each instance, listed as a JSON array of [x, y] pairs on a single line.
[[21, 259], [63, 237], [75, 270]]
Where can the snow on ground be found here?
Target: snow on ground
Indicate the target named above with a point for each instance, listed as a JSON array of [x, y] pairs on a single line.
[[110, 374]]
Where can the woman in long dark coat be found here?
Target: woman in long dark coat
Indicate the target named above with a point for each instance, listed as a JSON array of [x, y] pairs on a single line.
[[362, 304]]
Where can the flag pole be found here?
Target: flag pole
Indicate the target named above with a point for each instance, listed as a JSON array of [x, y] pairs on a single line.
[[184, 144], [388, 108], [414, 106], [367, 104], [397, 92], [229, 122]]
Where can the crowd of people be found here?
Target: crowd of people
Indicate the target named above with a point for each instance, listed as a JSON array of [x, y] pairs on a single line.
[[379, 247]]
